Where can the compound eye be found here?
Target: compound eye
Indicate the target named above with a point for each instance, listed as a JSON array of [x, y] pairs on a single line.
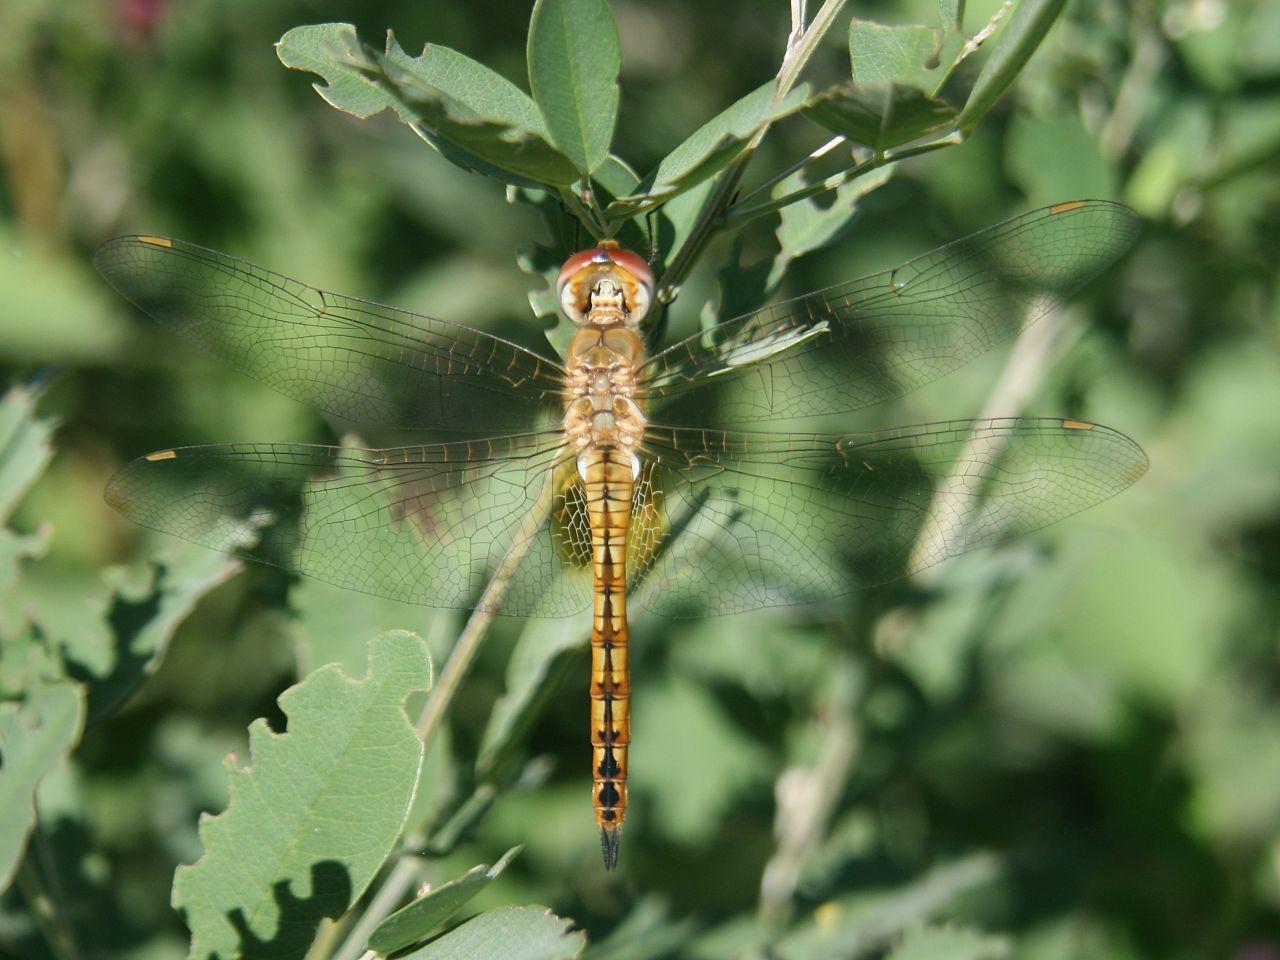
[[581, 271], [571, 285], [642, 294]]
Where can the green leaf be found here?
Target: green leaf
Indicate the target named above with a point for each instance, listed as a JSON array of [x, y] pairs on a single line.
[[949, 943], [475, 117], [616, 176], [36, 734], [952, 12], [709, 149], [333, 625], [806, 226], [573, 72], [314, 814], [684, 725], [866, 922], [513, 933], [115, 626], [914, 56], [412, 923], [1055, 156], [24, 446], [879, 117], [1017, 40], [547, 650]]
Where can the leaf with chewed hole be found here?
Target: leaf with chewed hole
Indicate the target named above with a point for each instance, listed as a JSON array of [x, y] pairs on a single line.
[[314, 814], [475, 117]]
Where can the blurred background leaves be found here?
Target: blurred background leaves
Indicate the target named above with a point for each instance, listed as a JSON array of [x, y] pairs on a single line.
[[1096, 705]]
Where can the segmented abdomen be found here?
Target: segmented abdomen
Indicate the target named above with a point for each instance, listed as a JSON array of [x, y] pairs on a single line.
[[609, 484]]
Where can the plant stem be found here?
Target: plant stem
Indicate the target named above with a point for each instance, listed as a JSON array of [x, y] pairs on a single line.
[[473, 634], [399, 881], [582, 212], [711, 217], [1038, 348], [777, 178], [807, 796], [737, 216]]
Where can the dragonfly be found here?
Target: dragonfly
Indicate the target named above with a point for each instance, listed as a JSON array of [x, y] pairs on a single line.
[[621, 474]]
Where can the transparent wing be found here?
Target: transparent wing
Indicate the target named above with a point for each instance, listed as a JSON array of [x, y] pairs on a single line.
[[352, 358], [423, 524], [754, 520], [858, 343]]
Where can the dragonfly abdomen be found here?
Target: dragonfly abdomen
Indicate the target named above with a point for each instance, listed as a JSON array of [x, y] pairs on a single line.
[[608, 479]]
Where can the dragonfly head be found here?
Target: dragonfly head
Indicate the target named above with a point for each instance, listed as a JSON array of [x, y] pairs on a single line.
[[605, 269]]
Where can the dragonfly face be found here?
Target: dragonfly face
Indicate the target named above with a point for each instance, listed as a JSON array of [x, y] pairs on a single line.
[[627, 275], [618, 474]]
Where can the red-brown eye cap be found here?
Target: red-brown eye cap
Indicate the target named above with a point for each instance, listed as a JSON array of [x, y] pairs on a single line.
[[577, 269]]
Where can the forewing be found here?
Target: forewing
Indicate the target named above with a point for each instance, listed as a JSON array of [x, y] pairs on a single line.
[[423, 524], [869, 340], [352, 358], [755, 520]]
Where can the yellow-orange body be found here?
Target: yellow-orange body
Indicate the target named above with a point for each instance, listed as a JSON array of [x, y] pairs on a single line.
[[604, 426]]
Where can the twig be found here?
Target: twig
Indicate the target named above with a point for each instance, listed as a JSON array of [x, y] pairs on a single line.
[[582, 212], [807, 799], [738, 215], [1135, 88], [1036, 351], [400, 879], [473, 634], [777, 178], [711, 217], [387, 899], [978, 39]]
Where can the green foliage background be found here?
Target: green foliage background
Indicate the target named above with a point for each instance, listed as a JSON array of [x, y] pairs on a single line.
[[1066, 748]]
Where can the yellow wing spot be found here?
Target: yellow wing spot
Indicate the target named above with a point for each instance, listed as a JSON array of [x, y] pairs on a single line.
[[1078, 425], [162, 455], [156, 241], [1068, 206]]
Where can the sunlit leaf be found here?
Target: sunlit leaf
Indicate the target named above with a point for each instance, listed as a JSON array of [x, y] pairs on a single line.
[[513, 933], [709, 149], [952, 12], [573, 72], [477, 118], [412, 923], [36, 734], [915, 56], [1013, 46], [616, 176], [313, 814], [24, 446]]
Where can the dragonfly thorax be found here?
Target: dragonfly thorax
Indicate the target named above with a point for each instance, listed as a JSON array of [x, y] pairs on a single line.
[[601, 410]]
